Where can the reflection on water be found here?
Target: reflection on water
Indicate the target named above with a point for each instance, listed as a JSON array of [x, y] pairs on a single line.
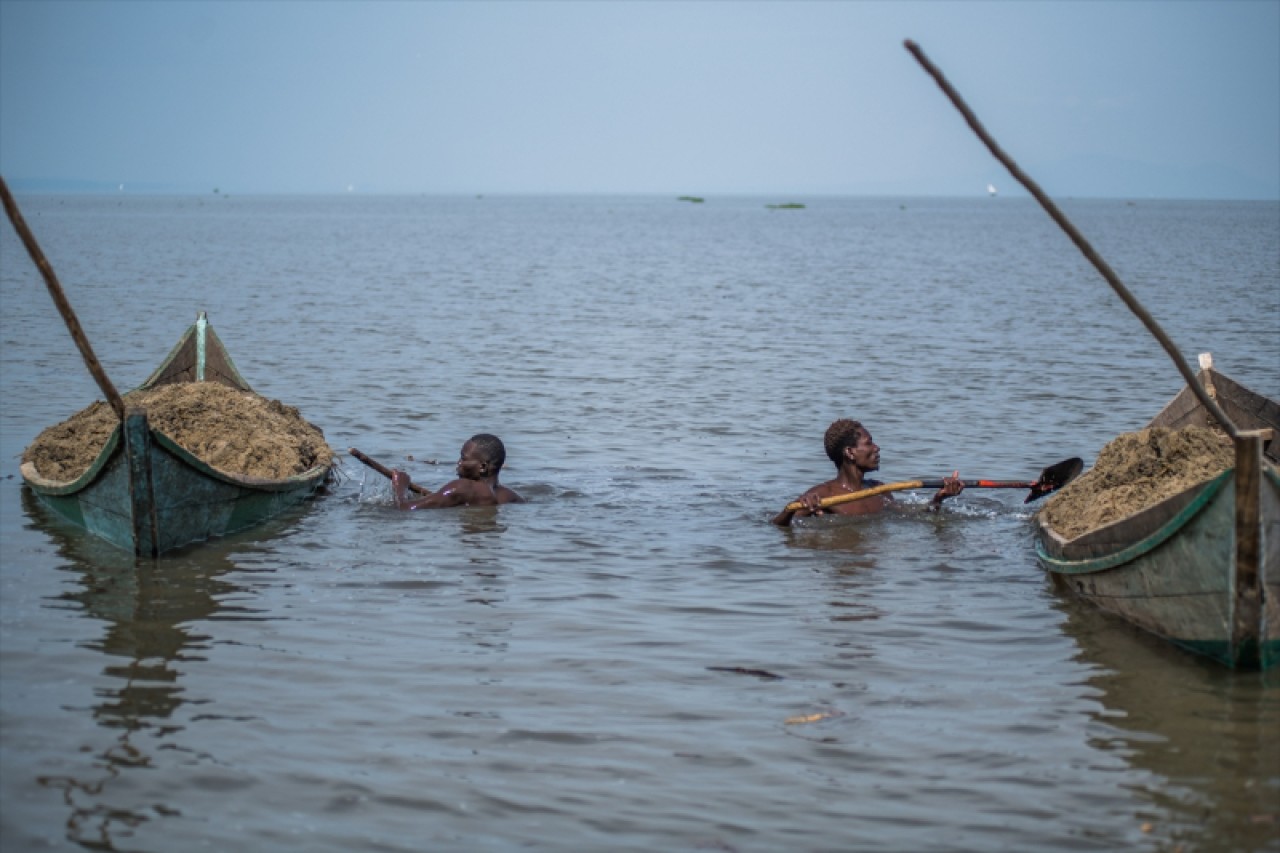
[[1207, 736], [851, 541], [148, 608], [844, 534]]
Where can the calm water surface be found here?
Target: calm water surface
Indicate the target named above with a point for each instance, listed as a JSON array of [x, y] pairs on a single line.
[[635, 659]]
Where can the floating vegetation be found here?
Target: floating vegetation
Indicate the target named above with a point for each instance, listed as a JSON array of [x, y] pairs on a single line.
[[791, 205], [691, 198]]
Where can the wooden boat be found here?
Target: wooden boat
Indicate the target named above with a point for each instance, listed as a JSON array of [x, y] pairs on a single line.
[[1201, 568], [146, 494]]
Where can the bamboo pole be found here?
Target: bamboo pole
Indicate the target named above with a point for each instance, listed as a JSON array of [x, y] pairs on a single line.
[[60, 300], [1076, 237]]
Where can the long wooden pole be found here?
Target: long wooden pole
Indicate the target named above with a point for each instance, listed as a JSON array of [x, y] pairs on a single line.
[[384, 470], [1076, 237], [60, 300]]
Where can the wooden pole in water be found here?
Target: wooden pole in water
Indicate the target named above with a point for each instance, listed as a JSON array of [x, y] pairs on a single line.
[[60, 300], [1076, 237]]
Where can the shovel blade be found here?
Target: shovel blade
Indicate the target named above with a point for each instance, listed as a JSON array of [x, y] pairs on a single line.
[[1055, 477]]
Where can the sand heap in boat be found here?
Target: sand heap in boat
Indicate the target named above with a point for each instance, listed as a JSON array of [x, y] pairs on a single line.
[[1135, 471], [237, 432]]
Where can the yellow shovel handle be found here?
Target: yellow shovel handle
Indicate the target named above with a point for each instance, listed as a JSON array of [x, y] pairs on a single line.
[[860, 494]]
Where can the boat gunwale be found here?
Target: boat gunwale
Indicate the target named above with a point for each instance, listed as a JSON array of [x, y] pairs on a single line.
[[46, 486], [1177, 410], [59, 488], [1061, 564]]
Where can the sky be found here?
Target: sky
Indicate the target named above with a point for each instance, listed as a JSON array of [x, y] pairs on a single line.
[[1106, 98]]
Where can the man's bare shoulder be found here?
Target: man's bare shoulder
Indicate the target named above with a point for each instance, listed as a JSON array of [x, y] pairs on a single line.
[[825, 490]]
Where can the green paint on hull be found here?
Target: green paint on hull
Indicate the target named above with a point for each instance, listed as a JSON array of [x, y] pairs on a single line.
[[1251, 655]]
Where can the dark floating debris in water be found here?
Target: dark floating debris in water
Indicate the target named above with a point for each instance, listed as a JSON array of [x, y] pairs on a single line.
[[738, 670]]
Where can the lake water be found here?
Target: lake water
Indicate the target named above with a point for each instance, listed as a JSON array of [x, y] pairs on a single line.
[[634, 660]]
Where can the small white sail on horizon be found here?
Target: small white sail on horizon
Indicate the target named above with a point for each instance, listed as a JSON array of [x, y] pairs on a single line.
[[991, 189]]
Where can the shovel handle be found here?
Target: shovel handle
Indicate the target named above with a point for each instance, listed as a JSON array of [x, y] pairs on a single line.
[[862, 493], [980, 484], [912, 484], [1051, 479]]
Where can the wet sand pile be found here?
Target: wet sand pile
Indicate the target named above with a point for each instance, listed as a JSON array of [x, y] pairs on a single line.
[[237, 432], [1135, 471]]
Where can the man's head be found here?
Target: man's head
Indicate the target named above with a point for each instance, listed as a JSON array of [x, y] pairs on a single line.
[[849, 441], [489, 451]]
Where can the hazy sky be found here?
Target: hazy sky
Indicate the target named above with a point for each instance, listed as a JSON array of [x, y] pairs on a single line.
[[1146, 98]]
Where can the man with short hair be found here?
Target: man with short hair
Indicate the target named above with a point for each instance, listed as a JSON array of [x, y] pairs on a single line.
[[849, 446], [480, 462]]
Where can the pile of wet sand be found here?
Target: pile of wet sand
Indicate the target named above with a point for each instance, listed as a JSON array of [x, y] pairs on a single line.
[[1135, 471], [237, 432]]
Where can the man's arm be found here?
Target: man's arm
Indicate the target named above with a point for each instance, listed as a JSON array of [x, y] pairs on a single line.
[[810, 499], [453, 494], [783, 519]]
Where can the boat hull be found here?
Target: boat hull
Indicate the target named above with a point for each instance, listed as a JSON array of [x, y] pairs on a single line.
[[1170, 570], [189, 502], [146, 494], [1202, 568]]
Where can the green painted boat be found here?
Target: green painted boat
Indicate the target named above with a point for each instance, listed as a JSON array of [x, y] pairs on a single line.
[[1202, 568], [146, 494]]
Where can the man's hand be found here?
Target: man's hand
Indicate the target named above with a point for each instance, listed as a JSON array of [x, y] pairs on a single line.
[[951, 486], [812, 504]]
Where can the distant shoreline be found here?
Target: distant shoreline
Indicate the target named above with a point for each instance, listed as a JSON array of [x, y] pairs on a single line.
[[42, 187]]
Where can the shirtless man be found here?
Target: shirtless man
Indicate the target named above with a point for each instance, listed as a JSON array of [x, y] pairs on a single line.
[[477, 484], [850, 447]]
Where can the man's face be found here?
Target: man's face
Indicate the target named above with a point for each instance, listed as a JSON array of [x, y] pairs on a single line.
[[865, 454]]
